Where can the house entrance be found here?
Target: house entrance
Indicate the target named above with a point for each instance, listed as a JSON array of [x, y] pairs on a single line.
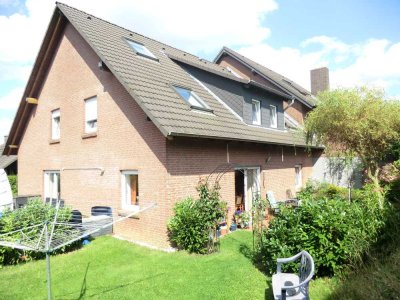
[[247, 187]]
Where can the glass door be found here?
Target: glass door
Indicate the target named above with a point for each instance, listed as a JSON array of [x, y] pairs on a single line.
[[252, 186], [52, 188]]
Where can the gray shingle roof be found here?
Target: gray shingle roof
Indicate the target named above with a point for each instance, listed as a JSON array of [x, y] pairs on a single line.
[[5, 160], [282, 81], [149, 83]]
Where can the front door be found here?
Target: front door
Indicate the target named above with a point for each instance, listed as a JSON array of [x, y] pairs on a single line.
[[252, 186]]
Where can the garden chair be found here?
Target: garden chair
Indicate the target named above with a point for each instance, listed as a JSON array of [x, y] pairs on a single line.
[[272, 202], [292, 286]]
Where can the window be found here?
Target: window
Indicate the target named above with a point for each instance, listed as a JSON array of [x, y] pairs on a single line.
[[55, 124], [52, 185], [256, 112], [130, 190], [91, 115], [191, 97], [141, 49], [233, 72], [298, 178], [273, 118]]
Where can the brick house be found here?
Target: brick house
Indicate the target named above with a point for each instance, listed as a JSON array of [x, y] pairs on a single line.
[[110, 117]]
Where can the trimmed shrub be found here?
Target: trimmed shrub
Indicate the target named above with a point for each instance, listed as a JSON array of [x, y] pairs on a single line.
[[33, 213], [336, 232], [194, 222]]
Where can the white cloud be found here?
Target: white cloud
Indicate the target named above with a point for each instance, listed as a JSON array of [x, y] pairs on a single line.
[[373, 62], [202, 27]]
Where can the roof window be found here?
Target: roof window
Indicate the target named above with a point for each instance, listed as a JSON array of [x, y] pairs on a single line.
[[141, 49], [190, 97]]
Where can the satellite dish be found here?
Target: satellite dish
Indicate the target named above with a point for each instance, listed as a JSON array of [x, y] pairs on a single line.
[[6, 198]]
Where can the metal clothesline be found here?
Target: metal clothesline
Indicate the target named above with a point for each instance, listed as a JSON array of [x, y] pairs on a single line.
[[49, 236]]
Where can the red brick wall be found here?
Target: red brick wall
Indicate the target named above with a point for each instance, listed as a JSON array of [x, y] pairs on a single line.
[[191, 159], [296, 111], [169, 170], [125, 141]]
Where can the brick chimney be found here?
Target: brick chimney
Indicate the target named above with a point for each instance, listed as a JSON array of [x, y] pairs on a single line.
[[319, 80]]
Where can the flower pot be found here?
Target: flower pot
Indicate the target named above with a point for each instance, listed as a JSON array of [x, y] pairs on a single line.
[[224, 230], [233, 227]]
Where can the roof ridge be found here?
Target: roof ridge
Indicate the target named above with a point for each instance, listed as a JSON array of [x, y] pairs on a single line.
[[101, 19], [235, 52], [300, 89]]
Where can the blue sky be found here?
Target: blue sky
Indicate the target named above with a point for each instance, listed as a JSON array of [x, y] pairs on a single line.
[[358, 40], [350, 21]]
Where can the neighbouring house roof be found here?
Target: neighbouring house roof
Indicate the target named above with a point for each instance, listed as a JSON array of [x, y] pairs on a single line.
[[149, 83], [281, 81], [5, 160]]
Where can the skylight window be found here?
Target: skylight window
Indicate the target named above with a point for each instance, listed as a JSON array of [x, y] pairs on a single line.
[[191, 98], [141, 49]]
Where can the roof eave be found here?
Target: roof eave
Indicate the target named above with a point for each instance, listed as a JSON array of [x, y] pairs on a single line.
[[179, 134], [33, 85]]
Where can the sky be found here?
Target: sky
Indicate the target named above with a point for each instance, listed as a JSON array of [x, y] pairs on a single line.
[[358, 40]]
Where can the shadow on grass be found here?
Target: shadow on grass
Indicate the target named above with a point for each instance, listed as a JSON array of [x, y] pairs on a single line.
[[249, 254], [84, 287]]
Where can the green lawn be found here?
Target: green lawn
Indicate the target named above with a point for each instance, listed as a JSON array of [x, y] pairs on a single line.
[[113, 269]]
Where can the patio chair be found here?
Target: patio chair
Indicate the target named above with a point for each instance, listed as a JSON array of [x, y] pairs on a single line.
[[292, 286], [272, 202], [101, 211], [76, 217]]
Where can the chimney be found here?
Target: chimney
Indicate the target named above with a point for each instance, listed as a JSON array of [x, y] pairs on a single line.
[[319, 80], [5, 139]]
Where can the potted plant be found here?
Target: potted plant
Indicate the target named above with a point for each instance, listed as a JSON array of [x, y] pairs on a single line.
[[245, 219], [233, 226]]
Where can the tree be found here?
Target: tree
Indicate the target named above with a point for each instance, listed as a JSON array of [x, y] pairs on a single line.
[[356, 122]]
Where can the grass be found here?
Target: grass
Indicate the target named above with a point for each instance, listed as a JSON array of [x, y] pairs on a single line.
[[380, 279], [113, 269]]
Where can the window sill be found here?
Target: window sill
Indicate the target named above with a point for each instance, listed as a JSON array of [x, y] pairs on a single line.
[[89, 135], [125, 212], [54, 141]]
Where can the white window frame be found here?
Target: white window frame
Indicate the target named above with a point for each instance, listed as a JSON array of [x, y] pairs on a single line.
[[48, 190], [125, 191], [256, 113], [273, 119], [141, 50], [298, 180], [91, 116], [200, 104], [55, 125]]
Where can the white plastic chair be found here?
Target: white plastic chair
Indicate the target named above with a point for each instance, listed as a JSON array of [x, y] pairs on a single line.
[[290, 286]]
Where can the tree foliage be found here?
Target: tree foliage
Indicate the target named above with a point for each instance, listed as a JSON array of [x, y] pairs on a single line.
[[355, 122], [337, 233]]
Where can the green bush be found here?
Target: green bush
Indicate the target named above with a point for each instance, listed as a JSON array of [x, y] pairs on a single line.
[[14, 185], [336, 232], [33, 213], [195, 221]]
